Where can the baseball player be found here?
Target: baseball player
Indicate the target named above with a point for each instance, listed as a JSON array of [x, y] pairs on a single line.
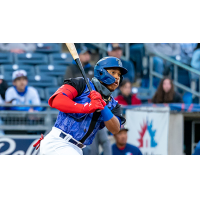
[[83, 113]]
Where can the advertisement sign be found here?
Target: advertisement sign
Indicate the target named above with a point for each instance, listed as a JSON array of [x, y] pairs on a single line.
[[148, 129], [18, 145]]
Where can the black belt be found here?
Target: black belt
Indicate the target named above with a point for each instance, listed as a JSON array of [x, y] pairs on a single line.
[[78, 144]]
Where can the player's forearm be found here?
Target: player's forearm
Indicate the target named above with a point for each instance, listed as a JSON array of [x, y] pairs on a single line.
[[64, 104], [113, 125], [111, 122]]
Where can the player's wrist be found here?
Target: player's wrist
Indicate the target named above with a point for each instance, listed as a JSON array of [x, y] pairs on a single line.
[[85, 108], [106, 114]]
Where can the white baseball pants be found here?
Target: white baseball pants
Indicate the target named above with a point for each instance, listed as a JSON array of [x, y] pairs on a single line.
[[52, 144]]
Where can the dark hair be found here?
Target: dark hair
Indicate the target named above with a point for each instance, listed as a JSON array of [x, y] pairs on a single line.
[[160, 95], [124, 82]]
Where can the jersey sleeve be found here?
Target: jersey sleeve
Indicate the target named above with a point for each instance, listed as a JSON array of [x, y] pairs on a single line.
[[117, 111], [78, 83]]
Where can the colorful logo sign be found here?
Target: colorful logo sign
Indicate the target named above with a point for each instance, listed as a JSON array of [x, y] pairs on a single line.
[[147, 135]]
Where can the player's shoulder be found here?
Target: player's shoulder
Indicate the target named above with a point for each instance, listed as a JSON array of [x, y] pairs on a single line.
[[130, 146], [114, 146], [78, 83], [77, 80]]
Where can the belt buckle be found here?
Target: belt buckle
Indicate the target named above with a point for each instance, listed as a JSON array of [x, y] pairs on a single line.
[[77, 143], [72, 140], [80, 145]]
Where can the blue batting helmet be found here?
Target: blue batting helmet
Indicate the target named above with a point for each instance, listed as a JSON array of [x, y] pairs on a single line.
[[107, 62]]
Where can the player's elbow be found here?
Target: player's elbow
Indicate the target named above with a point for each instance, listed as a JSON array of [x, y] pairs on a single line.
[[116, 130], [51, 101]]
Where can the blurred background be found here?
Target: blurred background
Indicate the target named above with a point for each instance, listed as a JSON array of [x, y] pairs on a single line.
[[159, 96]]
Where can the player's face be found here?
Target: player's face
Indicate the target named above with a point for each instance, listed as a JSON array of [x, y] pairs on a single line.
[[20, 83], [167, 85], [121, 138], [116, 73], [126, 89]]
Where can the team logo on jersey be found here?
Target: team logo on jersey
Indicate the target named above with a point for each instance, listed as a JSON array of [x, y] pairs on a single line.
[[147, 136]]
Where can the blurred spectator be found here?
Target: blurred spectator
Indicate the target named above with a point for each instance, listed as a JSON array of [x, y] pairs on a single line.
[[195, 62], [17, 47], [136, 55], [165, 93], [115, 50], [122, 147], [73, 71], [21, 93], [159, 65], [101, 138], [197, 149], [187, 50], [125, 96], [3, 88]]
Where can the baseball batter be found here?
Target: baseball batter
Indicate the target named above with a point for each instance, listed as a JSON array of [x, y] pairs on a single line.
[[83, 113]]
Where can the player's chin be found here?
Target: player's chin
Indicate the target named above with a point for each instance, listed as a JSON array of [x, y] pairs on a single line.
[[113, 87]]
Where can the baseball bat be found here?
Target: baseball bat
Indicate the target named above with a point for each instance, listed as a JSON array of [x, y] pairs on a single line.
[[72, 50]]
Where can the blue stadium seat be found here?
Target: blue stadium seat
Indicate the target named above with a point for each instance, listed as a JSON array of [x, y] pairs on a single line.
[[10, 68], [6, 58], [60, 58], [8, 75], [49, 91], [41, 93], [35, 81], [31, 58], [60, 80], [48, 47], [8, 78], [42, 81], [52, 70]]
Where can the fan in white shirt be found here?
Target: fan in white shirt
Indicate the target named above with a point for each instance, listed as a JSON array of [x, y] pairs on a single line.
[[22, 94]]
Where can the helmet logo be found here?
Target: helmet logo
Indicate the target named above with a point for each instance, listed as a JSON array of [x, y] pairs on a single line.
[[119, 62]]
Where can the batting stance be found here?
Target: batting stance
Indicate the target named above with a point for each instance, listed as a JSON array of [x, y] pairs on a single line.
[[83, 113]]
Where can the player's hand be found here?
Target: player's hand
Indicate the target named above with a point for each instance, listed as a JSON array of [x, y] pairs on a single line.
[[94, 95], [93, 106]]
